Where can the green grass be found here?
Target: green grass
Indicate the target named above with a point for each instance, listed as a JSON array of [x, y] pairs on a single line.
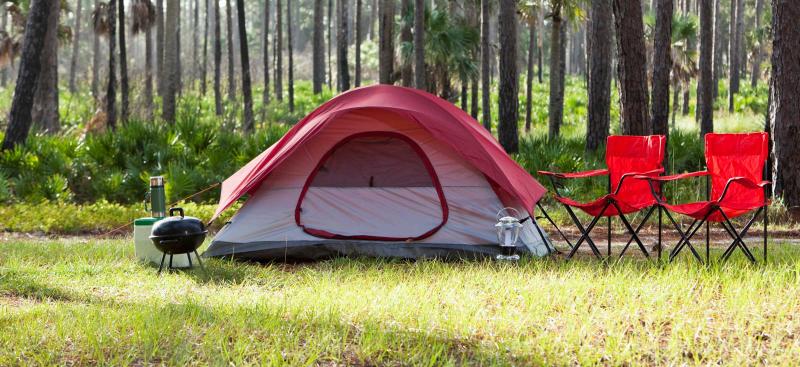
[[89, 302]]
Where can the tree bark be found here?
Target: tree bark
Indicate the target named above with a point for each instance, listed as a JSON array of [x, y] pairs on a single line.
[[632, 73], [330, 44], [279, 52], [171, 60], [359, 37], [508, 93], [30, 65], [529, 74], [601, 41], [76, 40], [705, 89], [217, 61], [290, 50], [785, 107], [555, 107], [756, 73], [195, 41], [662, 66], [45, 100], [249, 123], [342, 69], [160, 46], [148, 73], [406, 37], [96, 62], [204, 65], [265, 60], [419, 44], [111, 88], [386, 43], [486, 78], [718, 49], [733, 55], [231, 58], [123, 62]]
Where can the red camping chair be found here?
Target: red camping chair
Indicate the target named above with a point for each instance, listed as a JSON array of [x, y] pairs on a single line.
[[735, 168], [626, 157]]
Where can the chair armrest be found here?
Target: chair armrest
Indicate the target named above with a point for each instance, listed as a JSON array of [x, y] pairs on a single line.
[[744, 181], [673, 177], [646, 174], [583, 174]]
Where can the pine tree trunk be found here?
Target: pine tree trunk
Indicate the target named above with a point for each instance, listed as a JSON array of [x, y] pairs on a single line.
[[171, 60], [406, 65], [279, 51], [330, 44], [204, 64], [632, 73], [123, 62], [290, 49], [249, 123], [529, 74], [195, 42], [160, 46], [231, 58], [733, 56], [555, 107], [756, 73], [96, 62], [705, 89], [111, 88], [318, 48], [718, 49], [601, 41], [419, 44], [265, 60], [3, 26], [662, 66], [785, 107], [386, 43], [217, 60], [486, 78], [359, 37], [148, 73], [342, 70], [508, 93], [30, 65], [76, 40], [45, 99]]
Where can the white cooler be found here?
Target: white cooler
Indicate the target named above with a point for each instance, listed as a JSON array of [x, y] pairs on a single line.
[[146, 251]]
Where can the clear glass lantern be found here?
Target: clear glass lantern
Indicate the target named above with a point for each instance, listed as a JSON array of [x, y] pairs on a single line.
[[508, 227]]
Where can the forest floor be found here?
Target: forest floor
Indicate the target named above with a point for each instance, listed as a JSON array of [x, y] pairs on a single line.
[[86, 301]]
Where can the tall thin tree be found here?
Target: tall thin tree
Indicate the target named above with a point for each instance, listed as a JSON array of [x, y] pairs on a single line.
[[217, 60], [45, 100], [705, 89], [419, 44], [555, 108], [265, 59], [76, 40], [406, 37], [19, 117], [486, 115], [278, 51], [757, 49], [718, 47], [318, 49], [231, 58], [530, 19], [733, 54], [204, 64], [662, 65], [601, 43], [249, 123], [171, 60], [632, 63], [386, 42], [160, 46], [111, 87], [342, 69], [96, 61], [290, 50], [508, 91], [359, 38], [123, 63]]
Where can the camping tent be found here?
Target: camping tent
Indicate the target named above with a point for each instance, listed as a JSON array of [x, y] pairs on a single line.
[[378, 171]]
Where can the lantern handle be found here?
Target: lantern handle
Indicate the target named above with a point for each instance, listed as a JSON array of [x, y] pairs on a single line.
[[507, 210]]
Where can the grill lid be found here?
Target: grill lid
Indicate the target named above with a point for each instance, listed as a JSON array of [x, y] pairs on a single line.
[[176, 226]]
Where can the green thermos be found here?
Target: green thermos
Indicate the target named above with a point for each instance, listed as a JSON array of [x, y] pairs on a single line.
[[157, 198]]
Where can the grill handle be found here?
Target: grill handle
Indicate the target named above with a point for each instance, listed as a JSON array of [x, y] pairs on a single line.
[[179, 210]]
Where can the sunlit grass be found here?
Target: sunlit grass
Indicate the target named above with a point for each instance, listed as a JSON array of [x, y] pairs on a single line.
[[72, 302]]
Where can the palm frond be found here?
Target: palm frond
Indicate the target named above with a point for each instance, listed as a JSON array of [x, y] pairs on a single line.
[[100, 19], [143, 15]]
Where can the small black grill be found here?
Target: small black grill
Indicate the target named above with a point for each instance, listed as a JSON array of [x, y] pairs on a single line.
[[178, 235]]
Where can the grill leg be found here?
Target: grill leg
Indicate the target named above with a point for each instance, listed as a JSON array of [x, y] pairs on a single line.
[[200, 262], [162, 262], [170, 262], [189, 256]]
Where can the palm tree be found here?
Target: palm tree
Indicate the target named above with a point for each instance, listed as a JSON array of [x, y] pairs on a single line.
[[386, 43], [45, 99], [601, 46], [76, 39], [785, 105], [123, 61], [662, 65], [419, 40], [171, 61], [632, 67], [318, 49], [342, 70], [290, 48], [143, 14], [249, 122], [19, 118], [684, 65], [508, 94]]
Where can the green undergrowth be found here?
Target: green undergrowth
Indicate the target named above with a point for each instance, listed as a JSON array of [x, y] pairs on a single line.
[[74, 302]]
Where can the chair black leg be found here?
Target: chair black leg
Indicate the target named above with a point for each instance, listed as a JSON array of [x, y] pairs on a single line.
[[631, 230], [638, 228], [585, 233], [659, 232], [738, 237], [162, 263], [553, 223], [686, 236], [766, 211], [608, 235]]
